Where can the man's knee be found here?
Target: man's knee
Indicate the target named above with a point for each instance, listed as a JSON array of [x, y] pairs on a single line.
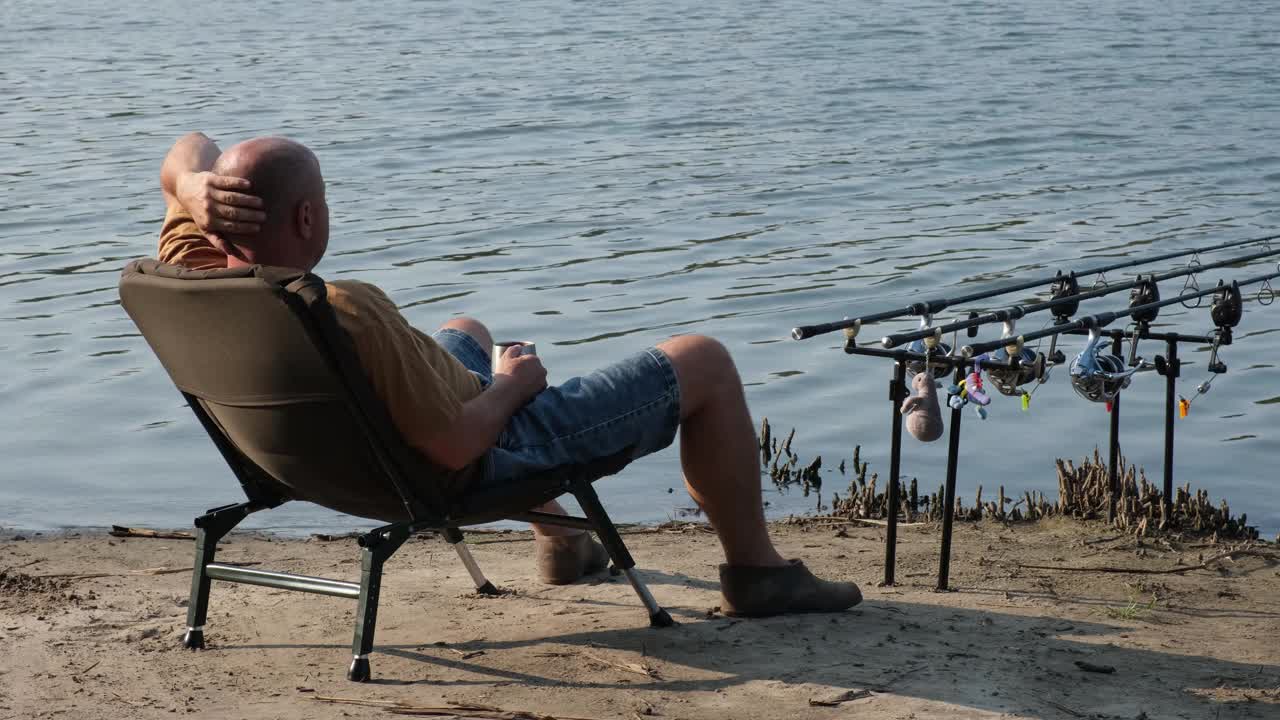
[[702, 364], [474, 328]]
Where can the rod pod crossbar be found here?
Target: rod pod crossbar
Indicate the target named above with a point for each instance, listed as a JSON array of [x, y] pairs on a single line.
[[937, 305], [1101, 320], [1064, 305]]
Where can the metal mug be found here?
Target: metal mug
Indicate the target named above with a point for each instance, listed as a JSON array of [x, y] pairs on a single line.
[[526, 348]]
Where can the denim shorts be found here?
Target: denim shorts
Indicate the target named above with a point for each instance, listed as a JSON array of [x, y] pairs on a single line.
[[632, 405]]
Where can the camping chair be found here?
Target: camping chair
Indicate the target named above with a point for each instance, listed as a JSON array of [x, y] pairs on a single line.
[[260, 358]]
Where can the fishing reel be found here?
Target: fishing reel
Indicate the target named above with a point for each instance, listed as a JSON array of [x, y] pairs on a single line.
[[1226, 312], [1099, 376], [1030, 367], [931, 346], [1064, 286]]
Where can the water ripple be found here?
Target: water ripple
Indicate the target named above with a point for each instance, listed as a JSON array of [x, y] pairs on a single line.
[[599, 176]]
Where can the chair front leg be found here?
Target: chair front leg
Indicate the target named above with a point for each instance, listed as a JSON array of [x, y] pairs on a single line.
[[210, 528], [378, 546]]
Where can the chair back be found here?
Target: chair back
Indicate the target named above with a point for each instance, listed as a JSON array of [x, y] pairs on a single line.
[[263, 363]]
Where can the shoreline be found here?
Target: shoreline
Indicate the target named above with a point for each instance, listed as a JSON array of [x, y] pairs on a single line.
[[93, 622], [329, 533]]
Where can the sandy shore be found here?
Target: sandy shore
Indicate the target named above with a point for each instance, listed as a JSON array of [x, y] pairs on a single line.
[[1008, 642]]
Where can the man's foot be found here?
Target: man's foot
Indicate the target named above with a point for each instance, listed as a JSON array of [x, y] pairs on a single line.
[[790, 588], [565, 559]]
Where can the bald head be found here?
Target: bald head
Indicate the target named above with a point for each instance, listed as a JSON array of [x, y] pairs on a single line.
[[286, 175]]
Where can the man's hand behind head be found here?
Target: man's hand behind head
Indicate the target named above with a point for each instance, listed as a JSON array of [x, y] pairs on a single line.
[[221, 204]]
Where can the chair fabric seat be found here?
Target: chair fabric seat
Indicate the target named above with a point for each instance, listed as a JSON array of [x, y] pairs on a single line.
[[259, 351], [498, 503]]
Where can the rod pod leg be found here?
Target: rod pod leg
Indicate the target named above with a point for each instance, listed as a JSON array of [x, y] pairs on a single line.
[[1172, 369], [897, 388], [949, 494], [1113, 471]]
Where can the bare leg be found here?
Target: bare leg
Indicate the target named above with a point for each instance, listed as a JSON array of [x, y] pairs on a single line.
[[475, 329], [719, 450], [554, 507], [721, 460]]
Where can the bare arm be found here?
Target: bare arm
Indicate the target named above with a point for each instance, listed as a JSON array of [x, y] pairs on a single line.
[[192, 153], [217, 203], [476, 430]]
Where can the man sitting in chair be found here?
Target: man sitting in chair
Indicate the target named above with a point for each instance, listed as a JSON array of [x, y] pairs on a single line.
[[263, 202]]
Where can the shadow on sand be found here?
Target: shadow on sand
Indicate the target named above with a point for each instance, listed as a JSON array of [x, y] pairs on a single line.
[[978, 659]]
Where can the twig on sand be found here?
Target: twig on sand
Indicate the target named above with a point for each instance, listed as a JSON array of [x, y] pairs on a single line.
[[857, 521], [679, 528], [145, 571], [1148, 571], [1059, 706], [25, 564], [94, 665], [840, 697], [884, 686], [464, 710], [637, 668], [127, 701], [122, 531]]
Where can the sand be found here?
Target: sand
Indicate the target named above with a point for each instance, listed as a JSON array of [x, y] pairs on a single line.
[[1008, 642]]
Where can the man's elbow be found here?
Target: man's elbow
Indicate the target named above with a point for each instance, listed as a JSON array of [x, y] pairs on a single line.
[[455, 461], [193, 137], [449, 452]]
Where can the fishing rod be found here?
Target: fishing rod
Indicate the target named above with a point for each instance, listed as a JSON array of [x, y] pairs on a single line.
[[1101, 320], [930, 307], [1066, 299]]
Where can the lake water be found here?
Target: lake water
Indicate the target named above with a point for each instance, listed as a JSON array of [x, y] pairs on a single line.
[[598, 176]]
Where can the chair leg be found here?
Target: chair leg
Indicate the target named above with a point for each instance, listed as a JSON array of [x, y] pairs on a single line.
[[453, 536], [612, 541], [210, 528], [378, 546]]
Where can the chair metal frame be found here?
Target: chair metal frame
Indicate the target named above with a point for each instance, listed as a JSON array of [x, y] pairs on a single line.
[[378, 545]]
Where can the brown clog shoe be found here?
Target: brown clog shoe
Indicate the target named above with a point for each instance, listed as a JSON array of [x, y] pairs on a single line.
[[565, 559], [790, 588]]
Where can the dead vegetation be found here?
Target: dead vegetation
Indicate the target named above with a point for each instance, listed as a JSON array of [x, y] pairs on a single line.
[[1083, 492]]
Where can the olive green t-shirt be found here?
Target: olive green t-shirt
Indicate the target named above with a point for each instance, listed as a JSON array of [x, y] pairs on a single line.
[[421, 384]]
